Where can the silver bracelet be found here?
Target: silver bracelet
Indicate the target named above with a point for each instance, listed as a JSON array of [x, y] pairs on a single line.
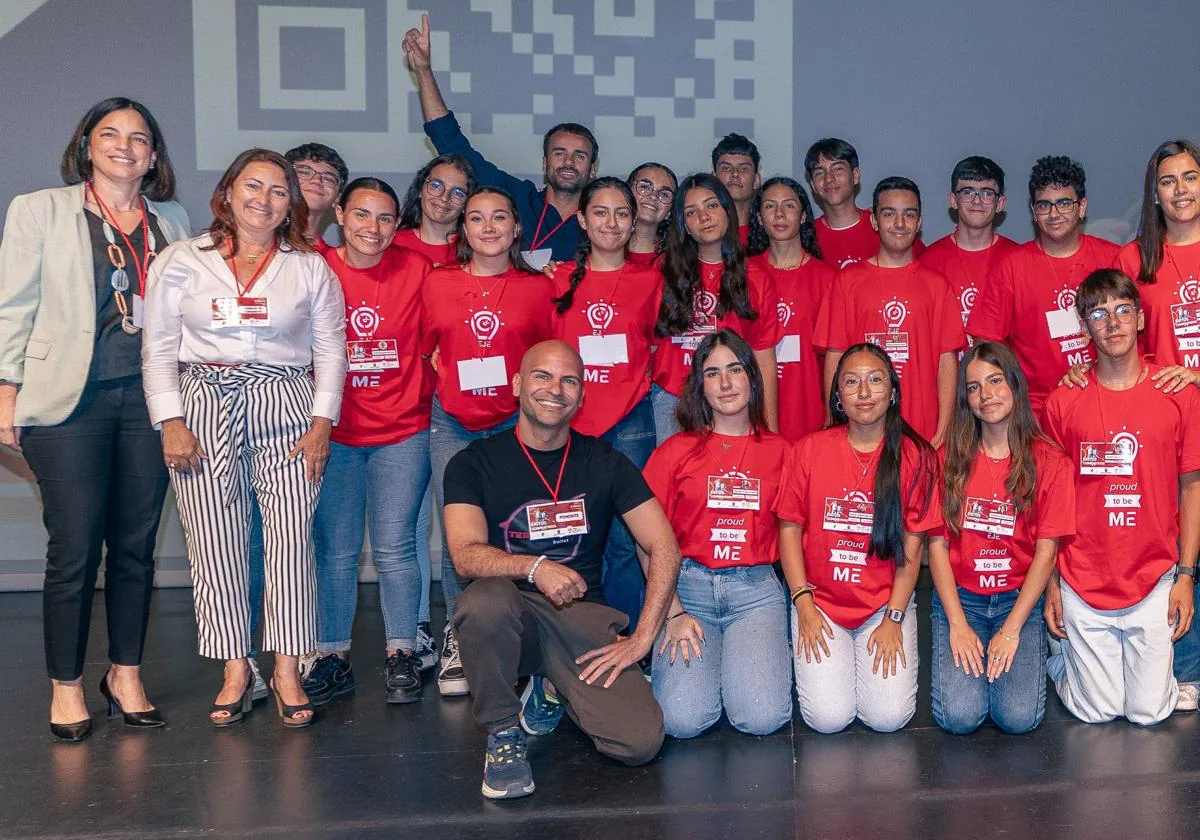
[[533, 571]]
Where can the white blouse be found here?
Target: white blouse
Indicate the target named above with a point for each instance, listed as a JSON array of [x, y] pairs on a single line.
[[306, 313]]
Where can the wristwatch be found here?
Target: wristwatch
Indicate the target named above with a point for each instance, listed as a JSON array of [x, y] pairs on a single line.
[[895, 615], [1190, 571]]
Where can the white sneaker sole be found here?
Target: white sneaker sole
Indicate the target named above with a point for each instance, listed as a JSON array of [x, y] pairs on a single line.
[[453, 688], [513, 792]]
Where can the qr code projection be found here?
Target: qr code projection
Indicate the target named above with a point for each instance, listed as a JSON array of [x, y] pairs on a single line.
[[653, 79]]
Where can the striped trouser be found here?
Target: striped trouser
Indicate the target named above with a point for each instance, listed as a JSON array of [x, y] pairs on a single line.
[[247, 419]]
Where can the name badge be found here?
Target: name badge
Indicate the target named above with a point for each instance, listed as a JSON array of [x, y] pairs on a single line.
[[1185, 318], [550, 520], [239, 312], [372, 354], [994, 517], [139, 311], [1063, 323], [895, 344], [848, 516], [604, 350], [1105, 458], [477, 374], [788, 349], [537, 259], [731, 492]]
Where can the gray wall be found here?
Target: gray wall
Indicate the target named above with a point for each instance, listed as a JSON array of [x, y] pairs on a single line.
[[915, 86]]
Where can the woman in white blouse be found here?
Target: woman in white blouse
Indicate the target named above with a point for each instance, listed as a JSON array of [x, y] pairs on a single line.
[[243, 361]]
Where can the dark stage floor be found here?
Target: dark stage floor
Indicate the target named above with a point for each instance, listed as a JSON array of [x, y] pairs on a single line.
[[366, 770]]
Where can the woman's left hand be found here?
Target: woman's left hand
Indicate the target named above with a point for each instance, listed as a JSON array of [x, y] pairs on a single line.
[[1001, 650], [1175, 378], [886, 644], [314, 446]]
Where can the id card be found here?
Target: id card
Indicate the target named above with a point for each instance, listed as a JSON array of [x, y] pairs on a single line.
[[994, 517], [788, 349], [478, 374], [139, 311], [1185, 318], [731, 492], [372, 354], [550, 520], [240, 312], [848, 516], [604, 350], [537, 259], [1063, 323], [895, 344], [1105, 458]]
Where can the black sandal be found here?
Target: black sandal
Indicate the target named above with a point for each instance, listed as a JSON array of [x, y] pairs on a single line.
[[287, 714], [237, 710]]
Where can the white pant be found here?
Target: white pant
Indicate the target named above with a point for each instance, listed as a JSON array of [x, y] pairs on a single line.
[[1117, 663], [841, 687]]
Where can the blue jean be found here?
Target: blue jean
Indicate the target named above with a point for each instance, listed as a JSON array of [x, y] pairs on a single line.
[[1016, 701], [624, 584], [448, 437], [384, 486], [1187, 649], [258, 575], [424, 522], [663, 403], [746, 665]]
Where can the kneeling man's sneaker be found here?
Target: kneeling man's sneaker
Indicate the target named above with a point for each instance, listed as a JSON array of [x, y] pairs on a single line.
[[506, 773], [452, 679], [540, 709], [1189, 697]]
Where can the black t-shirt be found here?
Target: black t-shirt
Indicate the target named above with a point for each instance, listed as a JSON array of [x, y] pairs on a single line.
[[493, 474]]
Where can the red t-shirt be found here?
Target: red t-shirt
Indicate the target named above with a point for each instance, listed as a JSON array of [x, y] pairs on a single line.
[[438, 255], [611, 324], [1128, 449], [910, 312], [994, 548], [801, 386], [673, 359], [387, 394], [1028, 302], [841, 247], [481, 327], [829, 490], [966, 270], [642, 258], [1171, 305], [743, 234], [721, 502]]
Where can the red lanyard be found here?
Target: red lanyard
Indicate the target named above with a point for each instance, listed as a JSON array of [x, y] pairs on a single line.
[[143, 265], [245, 290], [563, 468], [536, 243], [987, 465]]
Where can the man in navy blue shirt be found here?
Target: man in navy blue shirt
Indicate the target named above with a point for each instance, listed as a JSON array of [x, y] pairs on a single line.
[[569, 156]]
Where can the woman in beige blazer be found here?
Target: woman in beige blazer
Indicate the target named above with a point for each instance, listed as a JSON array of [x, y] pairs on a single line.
[[73, 268]]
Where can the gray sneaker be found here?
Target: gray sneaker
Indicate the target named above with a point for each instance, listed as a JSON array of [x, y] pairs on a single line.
[[506, 773], [426, 649]]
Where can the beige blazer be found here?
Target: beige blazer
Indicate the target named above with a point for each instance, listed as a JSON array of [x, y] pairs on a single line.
[[48, 298]]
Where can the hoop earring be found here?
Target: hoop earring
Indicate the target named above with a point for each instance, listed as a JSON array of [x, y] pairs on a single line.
[[893, 400], [839, 404]]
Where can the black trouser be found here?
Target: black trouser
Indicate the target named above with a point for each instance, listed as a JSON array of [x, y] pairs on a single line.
[[103, 482]]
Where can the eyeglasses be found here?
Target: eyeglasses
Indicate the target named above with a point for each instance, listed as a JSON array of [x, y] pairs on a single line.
[[1064, 205], [436, 187], [875, 384], [1123, 312], [984, 196], [325, 179], [664, 195]]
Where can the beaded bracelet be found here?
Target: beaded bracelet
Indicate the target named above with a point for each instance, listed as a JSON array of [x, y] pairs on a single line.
[[533, 570]]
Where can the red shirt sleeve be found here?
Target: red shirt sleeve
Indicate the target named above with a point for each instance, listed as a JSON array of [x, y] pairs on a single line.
[[657, 473], [992, 317], [764, 332], [790, 503], [919, 518], [1055, 496], [1189, 446], [951, 336], [831, 331]]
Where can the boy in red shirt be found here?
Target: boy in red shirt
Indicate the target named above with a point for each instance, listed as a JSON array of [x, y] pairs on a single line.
[[905, 308], [1125, 582], [967, 255], [1028, 301], [735, 162]]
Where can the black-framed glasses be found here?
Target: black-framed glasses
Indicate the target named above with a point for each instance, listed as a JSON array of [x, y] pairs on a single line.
[[436, 187], [325, 179], [985, 195], [664, 195], [1123, 312], [1042, 207]]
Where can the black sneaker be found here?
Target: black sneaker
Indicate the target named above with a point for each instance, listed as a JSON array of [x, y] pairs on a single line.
[[426, 650], [330, 677], [452, 679], [506, 773], [402, 678]]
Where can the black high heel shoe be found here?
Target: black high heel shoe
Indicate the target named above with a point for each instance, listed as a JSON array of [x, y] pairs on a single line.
[[237, 710], [72, 732], [151, 719], [288, 714]]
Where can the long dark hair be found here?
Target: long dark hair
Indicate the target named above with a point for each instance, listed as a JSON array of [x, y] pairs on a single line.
[[1152, 229], [887, 530], [223, 229], [462, 248], [158, 184], [693, 411], [759, 241], [681, 264], [411, 214], [965, 431], [563, 302], [664, 227]]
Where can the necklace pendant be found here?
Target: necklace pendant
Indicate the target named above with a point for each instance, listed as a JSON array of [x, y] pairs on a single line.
[[120, 280], [726, 445], [128, 326]]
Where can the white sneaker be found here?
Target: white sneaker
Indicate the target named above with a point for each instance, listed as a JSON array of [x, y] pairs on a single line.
[[452, 679], [1189, 697], [426, 649], [260, 685]]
